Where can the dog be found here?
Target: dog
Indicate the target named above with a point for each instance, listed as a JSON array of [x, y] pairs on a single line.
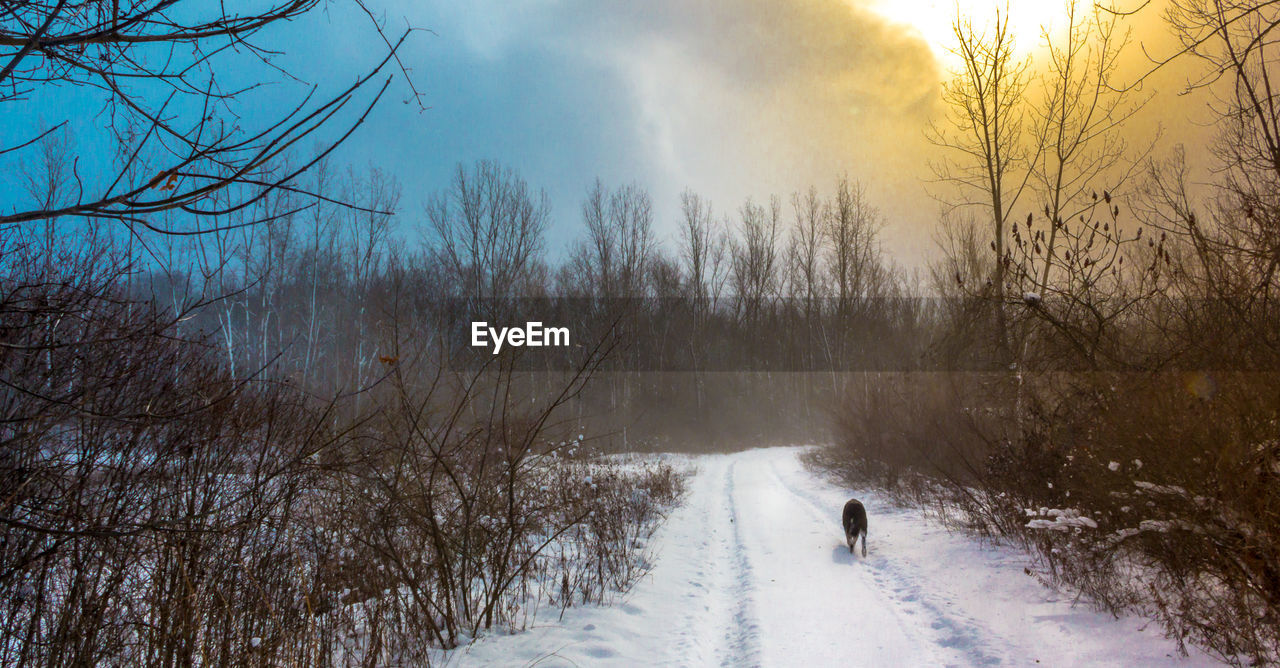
[[854, 520]]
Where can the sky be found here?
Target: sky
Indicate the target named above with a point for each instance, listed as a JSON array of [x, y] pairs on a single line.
[[729, 98]]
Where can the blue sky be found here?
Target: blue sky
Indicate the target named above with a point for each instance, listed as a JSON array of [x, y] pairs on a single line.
[[559, 121]]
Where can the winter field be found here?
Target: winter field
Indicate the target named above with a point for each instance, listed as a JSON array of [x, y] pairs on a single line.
[[753, 570]]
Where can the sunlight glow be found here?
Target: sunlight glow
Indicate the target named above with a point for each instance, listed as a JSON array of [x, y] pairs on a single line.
[[933, 19]]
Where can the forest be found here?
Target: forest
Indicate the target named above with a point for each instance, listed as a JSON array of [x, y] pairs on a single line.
[[241, 421]]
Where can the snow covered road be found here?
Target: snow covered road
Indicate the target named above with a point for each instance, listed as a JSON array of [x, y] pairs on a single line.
[[753, 570]]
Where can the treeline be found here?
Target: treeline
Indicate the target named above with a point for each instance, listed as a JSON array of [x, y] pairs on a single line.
[[755, 308]]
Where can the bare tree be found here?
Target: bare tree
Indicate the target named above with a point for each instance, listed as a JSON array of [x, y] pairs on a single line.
[[599, 253], [754, 257], [173, 160], [702, 249], [986, 118], [619, 240], [1236, 241], [852, 224], [1076, 122], [488, 227], [805, 249], [631, 216]]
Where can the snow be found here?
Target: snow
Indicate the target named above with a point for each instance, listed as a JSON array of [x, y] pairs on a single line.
[[1163, 526], [1062, 520], [753, 570], [1160, 489]]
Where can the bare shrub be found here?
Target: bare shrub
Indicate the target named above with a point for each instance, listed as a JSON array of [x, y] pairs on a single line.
[[148, 497], [1146, 492]]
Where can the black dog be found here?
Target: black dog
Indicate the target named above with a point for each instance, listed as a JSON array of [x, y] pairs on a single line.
[[854, 520]]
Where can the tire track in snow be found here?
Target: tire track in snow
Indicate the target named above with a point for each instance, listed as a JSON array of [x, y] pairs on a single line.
[[741, 638], [719, 626], [970, 641], [699, 605]]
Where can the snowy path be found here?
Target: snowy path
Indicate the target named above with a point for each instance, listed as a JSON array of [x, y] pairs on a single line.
[[753, 570]]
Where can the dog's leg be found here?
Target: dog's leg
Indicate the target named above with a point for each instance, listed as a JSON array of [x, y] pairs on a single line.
[[864, 543]]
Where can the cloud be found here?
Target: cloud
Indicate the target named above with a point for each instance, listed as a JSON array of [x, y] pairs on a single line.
[[729, 97], [799, 78]]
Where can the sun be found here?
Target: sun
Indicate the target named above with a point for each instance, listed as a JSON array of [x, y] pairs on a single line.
[[932, 20]]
